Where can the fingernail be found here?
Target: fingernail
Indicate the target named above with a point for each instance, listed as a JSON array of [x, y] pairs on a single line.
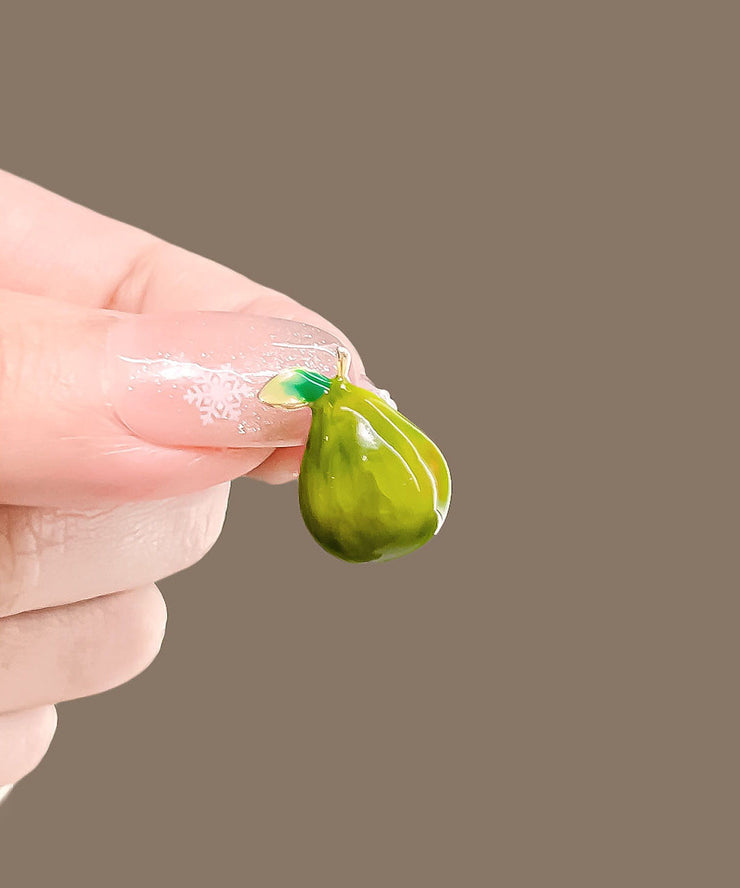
[[192, 378], [367, 383]]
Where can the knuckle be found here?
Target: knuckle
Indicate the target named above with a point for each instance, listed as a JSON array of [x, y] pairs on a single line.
[[28, 538], [28, 365], [24, 536]]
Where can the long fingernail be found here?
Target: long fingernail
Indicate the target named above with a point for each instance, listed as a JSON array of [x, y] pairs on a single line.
[[192, 378], [367, 383]]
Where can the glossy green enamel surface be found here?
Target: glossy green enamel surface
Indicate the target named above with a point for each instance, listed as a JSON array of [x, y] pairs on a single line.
[[372, 486]]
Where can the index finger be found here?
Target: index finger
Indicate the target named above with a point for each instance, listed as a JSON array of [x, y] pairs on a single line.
[[53, 247]]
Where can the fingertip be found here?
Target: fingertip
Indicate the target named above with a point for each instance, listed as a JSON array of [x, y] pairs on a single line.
[[282, 467], [25, 737]]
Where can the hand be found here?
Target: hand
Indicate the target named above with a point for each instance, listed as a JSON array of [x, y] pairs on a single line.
[[128, 377]]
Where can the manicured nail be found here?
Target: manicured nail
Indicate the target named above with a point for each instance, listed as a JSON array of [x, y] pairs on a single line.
[[192, 378], [367, 383]]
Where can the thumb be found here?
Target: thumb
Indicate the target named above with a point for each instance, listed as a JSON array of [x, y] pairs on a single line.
[[102, 404]]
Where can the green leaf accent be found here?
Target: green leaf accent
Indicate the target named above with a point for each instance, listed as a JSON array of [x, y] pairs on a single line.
[[294, 388]]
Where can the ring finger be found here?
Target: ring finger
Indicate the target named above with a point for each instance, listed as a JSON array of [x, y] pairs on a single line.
[[80, 649]]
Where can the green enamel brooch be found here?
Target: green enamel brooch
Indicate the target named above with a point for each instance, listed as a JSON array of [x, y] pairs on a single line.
[[372, 486]]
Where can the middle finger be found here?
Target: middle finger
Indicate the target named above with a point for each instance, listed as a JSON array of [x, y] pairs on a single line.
[[50, 557]]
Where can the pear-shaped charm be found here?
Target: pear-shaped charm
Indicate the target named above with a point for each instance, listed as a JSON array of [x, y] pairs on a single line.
[[371, 486]]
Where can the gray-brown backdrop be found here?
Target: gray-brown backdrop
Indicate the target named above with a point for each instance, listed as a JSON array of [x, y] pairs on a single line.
[[525, 217]]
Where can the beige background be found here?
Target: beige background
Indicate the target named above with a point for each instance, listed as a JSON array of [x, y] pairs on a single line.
[[526, 219]]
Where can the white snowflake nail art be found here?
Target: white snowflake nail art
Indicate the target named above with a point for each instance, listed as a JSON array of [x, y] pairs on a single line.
[[218, 394]]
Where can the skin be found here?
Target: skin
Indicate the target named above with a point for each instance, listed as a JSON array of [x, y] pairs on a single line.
[[81, 550]]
